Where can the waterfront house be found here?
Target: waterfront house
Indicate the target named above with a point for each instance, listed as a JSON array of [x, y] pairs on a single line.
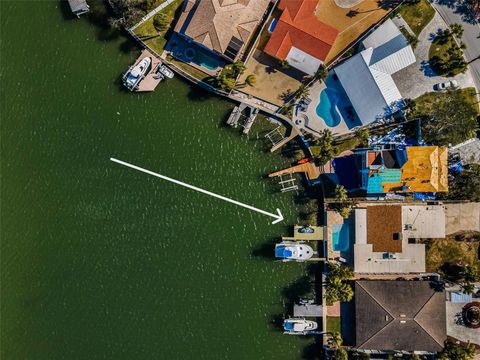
[[386, 237], [78, 7], [367, 76], [401, 170], [221, 26], [398, 315], [299, 37]]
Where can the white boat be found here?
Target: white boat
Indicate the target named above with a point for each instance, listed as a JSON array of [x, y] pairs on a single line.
[[165, 71], [135, 74], [293, 251], [298, 326]]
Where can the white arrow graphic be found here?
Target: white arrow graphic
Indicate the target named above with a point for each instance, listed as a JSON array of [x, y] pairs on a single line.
[[278, 217]]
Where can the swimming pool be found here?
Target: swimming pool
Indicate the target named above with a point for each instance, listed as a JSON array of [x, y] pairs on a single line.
[[341, 237], [327, 107], [200, 58]]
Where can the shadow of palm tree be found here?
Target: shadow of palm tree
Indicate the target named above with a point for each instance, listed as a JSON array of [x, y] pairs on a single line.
[[299, 288], [265, 250]]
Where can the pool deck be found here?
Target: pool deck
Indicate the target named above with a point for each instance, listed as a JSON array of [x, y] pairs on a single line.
[[314, 124]]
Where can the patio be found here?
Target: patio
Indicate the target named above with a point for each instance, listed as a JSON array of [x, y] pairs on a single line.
[[329, 108]]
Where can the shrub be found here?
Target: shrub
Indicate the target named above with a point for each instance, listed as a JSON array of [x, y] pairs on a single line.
[[161, 21]]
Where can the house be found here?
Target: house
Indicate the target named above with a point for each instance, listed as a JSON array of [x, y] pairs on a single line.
[[386, 237], [78, 7], [410, 169], [222, 26], [299, 37], [398, 315], [367, 76]]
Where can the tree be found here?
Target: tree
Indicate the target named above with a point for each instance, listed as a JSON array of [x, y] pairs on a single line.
[[302, 92], [340, 354], [337, 288], [284, 64], [469, 273], [363, 135], [115, 23], [337, 339], [457, 30], [468, 288], [454, 351], [321, 73], [341, 271], [238, 68], [226, 83], [251, 80], [161, 21], [466, 184], [323, 149], [451, 118], [342, 203]]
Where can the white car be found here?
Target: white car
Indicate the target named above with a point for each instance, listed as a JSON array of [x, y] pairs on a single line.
[[445, 85]]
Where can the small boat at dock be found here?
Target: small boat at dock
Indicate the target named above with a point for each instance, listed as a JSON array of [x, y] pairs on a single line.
[[135, 74], [293, 251], [298, 326], [165, 71]]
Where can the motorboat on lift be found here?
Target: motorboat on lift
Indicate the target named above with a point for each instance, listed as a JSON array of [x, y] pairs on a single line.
[[165, 71], [298, 326], [135, 74], [293, 251]]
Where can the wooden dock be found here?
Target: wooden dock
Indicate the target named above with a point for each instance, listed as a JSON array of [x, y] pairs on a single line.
[[317, 235], [151, 79], [309, 169], [248, 124]]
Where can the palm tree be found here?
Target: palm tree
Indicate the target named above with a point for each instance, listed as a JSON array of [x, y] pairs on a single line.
[[251, 80], [321, 73], [284, 64], [302, 92], [468, 288]]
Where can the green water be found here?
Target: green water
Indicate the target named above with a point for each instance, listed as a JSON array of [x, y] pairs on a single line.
[[102, 262]]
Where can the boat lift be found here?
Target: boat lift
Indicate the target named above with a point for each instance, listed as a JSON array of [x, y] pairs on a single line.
[[287, 182], [275, 136]]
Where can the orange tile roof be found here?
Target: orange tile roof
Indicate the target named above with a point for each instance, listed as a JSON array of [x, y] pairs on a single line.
[[299, 27], [426, 170]]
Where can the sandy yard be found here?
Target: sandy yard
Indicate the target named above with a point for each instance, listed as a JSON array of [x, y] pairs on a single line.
[[271, 81], [351, 22]]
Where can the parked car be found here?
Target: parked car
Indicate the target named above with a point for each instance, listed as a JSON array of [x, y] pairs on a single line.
[[445, 85]]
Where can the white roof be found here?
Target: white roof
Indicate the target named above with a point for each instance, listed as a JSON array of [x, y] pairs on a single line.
[[383, 34], [303, 61], [360, 226], [425, 221], [366, 77]]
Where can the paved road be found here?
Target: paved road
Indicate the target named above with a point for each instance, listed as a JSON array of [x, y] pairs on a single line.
[[454, 12]]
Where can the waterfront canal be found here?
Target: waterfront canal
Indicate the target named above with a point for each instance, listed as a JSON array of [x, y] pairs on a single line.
[[101, 262]]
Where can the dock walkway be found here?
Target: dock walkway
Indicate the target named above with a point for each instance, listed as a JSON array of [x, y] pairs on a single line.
[[151, 79], [310, 169]]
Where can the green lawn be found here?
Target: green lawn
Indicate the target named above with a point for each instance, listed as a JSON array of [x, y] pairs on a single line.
[[334, 324], [196, 73], [442, 59], [418, 15], [153, 38], [426, 101], [450, 251]]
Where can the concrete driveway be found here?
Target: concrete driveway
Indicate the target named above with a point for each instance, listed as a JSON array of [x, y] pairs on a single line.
[[457, 12], [419, 78]]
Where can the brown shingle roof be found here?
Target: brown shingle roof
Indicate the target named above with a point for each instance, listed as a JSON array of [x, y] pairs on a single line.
[[214, 23], [383, 223], [399, 315]]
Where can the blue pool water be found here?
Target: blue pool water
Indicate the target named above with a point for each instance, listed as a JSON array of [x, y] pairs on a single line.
[[341, 237], [206, 61], [327, 107]]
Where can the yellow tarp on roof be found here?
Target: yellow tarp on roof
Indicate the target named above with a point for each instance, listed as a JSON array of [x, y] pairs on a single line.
[[426, 170]]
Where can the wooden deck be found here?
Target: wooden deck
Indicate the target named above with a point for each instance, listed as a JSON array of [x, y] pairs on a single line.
[[310, 169], [151, 80]]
